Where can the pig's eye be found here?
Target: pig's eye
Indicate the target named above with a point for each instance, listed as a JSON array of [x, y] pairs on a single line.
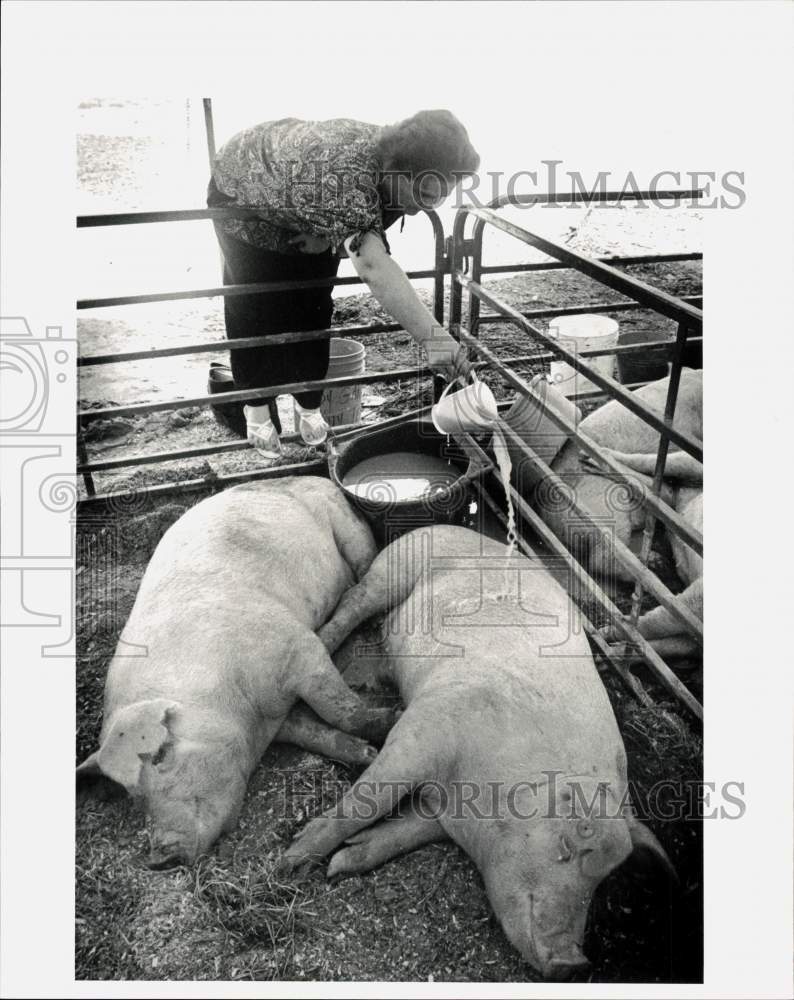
[[585, 828], [565, 849]]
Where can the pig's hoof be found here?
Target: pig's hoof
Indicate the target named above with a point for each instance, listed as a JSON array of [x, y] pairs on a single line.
[[294, 862], [353, 750], [352, 859], [340, 866], [610, 632], [285, 866]]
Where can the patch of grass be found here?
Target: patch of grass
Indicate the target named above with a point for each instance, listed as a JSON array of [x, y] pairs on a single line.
[[107, 893], [253, 906]]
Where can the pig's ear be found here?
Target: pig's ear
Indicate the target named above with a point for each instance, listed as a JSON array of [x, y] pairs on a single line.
[[89, 768], [140, 730], [644, 842], [92, 783]]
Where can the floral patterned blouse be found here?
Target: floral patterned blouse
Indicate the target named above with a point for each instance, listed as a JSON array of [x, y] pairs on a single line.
[[308, 177]]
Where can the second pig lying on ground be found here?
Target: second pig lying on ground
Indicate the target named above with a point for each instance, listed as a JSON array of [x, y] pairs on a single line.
[[507, 732]]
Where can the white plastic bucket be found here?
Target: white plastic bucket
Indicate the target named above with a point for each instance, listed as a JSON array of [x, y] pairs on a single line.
[[588, 332], [343, 405]]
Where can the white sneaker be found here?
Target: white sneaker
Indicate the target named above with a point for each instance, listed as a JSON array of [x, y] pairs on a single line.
[[262, 433], [312, 426]]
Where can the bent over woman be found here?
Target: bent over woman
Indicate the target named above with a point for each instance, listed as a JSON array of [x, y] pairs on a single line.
[[324, 187]]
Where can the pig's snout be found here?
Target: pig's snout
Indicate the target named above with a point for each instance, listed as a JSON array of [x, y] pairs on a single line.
[[161, 859], [169, 852], [563, 965], [546, 926], [556, 928]]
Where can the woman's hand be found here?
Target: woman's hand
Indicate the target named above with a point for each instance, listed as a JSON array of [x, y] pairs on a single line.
[[445, 354]]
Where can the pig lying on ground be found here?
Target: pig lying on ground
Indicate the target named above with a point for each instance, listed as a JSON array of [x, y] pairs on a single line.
[[614, 427], [507, 728], [227, 612]]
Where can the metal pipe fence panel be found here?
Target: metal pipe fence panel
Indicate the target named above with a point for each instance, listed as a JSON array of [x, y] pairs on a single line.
[[449, 257], [689, 318]]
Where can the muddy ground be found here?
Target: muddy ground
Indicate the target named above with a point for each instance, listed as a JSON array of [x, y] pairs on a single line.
[[423, 917]]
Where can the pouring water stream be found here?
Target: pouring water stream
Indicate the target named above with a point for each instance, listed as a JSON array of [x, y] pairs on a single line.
[[473, 409]]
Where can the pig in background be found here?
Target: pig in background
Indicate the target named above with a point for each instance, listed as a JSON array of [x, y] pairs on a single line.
[[633, 444], [685, 479]]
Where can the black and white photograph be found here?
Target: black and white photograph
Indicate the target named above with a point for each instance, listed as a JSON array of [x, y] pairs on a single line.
[[356, 634]]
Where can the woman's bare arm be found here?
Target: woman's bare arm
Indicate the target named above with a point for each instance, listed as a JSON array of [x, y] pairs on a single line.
[[390, 286]]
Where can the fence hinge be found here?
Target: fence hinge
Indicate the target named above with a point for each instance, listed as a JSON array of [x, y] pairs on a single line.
[[466, 248]]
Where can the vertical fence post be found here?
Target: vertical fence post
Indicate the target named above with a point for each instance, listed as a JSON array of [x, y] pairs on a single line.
[[438, 293], [210, 126], [661, 459], [476, 275], [82, 456], [455, 253], [438, 279], [455, 258]]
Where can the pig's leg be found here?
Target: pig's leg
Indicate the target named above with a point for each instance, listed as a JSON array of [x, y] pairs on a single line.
[[660, 624], [679, 465], [305, 729], [313, 677], [390, 580], [386, 840], [353, 538], [675, 646], [404, 762], [664, 632]]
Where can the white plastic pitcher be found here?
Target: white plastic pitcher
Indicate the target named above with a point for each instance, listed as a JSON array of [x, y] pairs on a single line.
[[587, 332], [472, 408]]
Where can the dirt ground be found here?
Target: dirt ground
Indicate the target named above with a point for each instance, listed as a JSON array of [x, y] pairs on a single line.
[[420, 918]]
